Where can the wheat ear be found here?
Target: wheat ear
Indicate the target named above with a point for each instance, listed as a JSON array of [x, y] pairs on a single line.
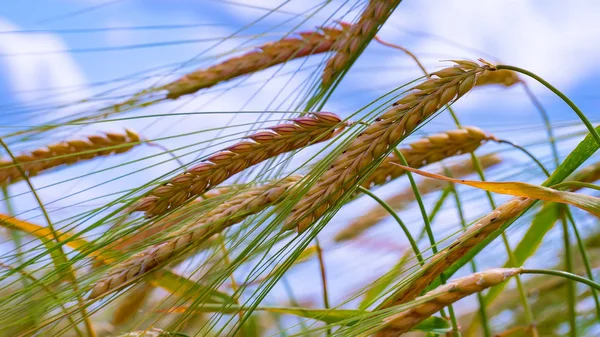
[[379, 138], [268, 55], [230, 212], [503, 77], [442, 296], [151, 230], [67, 153], [445, 258], [374, 215], [429, 150], [357, 37], [260, 146]]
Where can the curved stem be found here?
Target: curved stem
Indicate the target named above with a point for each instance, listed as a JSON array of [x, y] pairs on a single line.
[[529, 154], [546, 119], [563, 274], [387, 207], [559, 94], [164, 148], [406, 51]]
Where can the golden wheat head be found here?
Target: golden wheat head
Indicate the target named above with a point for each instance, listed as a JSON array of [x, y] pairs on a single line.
[[268, 55], [66, 153], [429, 150], [442, 296], [380, 137], [457, 249], [303, 131], [230, 212], [503, 77], [357, 36], [374, 215]]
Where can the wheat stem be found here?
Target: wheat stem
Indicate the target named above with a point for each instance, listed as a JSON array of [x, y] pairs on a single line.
[[585, 257], [566, 99], [406, 51], [323, 278], [563, 274], [419, 200], [528, 154], [570, 289], [576, 185], [546, 118], [390, 211]]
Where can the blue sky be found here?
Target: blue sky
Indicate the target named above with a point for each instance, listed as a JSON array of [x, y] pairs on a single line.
[[555, 39]]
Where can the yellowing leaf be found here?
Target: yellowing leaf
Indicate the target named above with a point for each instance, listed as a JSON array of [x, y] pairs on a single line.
[[45, 234], [519, 189], [165, 279], [306, 254]]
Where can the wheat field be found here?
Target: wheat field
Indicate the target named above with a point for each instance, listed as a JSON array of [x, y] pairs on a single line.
[[296, 168]]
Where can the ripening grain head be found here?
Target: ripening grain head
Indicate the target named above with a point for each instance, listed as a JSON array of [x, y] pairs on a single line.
[[302, 132], [380, 137], [67, 153]]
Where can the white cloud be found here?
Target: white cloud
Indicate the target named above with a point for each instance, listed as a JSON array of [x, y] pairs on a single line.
[[30, 72], [551, 38]]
